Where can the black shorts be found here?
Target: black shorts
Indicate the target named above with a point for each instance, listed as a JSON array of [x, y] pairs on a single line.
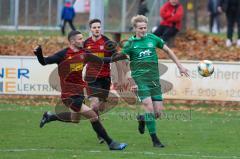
[[99, 88], [74, 102]]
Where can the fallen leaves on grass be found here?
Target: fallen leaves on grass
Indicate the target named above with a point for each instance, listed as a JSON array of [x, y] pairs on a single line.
[[23, 45], [198, 46], [189, 46]]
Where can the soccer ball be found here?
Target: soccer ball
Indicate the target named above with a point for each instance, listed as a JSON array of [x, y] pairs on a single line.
[[205, 68]]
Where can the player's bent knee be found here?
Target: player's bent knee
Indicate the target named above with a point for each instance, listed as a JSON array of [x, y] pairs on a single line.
[[93, 100], [89, 113], [148, 108], [94, 119], [95, 107], [74, 103]]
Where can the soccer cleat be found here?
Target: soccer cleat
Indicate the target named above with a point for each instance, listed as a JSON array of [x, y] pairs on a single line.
[[156, 141], [117, 146], [141, 124], [100, 140], [158, 144], [44, 120]]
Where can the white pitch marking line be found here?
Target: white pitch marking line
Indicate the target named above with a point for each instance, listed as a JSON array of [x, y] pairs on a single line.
[[124, 152]]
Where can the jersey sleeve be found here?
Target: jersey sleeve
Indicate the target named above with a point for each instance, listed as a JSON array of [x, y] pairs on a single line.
[[56, 58], [89, 57], [126, 50], [160, 42], [53, 59]]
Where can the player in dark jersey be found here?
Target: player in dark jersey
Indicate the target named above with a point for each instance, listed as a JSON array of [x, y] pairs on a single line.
[[71, 61], [102, 47]]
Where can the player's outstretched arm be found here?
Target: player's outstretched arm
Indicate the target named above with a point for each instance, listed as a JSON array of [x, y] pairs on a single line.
[[114, 58], [54, 59], [38, 52], [123, 68], [89, 57], [118, 56], [170, 53]]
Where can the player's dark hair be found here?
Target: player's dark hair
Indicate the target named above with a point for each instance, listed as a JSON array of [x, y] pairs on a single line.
[[93, 21], [72, 34]]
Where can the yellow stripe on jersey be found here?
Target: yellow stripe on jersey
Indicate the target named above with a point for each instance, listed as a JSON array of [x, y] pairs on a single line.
[[76, 67], [99, 54]]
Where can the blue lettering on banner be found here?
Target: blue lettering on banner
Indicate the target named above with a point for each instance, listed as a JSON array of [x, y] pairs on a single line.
[[27, 87], [2, 73], [23, 72]]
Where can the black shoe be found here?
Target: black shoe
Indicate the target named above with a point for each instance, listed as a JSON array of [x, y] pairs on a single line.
[[117, 146], [158, 144], [141, 124], [156, 141], [100, 140], [44, 120]]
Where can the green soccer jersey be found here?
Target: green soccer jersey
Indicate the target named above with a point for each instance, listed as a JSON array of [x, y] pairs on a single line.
[[143, 56]]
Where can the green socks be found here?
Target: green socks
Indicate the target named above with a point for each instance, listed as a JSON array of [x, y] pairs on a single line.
[[150, 122]]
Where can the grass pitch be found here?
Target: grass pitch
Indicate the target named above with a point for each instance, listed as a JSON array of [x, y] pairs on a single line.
[[186, 134]]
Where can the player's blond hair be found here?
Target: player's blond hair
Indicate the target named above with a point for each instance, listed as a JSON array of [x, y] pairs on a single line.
[[138, 19]]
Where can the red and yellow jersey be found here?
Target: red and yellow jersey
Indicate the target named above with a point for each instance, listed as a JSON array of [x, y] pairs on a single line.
[[70, 73], [70, 68], [98, 48]]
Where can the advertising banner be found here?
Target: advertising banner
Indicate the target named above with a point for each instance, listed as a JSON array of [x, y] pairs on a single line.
[[25, 76]]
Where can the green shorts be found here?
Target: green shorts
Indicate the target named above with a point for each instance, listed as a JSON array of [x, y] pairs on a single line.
[[149, 89]]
